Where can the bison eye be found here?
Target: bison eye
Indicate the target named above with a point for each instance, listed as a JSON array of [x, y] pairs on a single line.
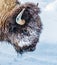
[[25, 32]]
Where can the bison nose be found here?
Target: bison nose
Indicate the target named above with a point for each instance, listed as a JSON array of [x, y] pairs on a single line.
[[35, 41], [33, 45]]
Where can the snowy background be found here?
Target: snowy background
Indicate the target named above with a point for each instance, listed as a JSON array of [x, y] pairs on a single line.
[[45, 53]]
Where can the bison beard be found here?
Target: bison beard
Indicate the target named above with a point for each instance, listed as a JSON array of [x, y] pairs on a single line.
[[23, 37]]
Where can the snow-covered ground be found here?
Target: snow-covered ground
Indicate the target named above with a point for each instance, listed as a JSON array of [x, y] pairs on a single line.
[[45, 54], [46, 50]]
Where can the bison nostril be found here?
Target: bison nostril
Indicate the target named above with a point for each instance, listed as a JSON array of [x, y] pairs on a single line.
[[35, 41], [32, 49]]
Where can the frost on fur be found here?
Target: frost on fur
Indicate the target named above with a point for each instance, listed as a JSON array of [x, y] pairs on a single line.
[[23, 37]]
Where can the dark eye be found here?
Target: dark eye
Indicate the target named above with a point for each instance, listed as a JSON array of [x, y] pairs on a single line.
[[25, 32]]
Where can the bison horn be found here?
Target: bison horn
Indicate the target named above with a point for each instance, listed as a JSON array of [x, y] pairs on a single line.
[[18, 18]]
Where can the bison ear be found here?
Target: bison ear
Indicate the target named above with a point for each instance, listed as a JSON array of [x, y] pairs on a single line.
[[18, 18]]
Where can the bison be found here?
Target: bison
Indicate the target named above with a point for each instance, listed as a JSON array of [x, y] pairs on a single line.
[[20, 24]]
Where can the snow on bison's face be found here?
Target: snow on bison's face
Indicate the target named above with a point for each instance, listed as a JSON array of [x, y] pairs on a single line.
[[23, 27]]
